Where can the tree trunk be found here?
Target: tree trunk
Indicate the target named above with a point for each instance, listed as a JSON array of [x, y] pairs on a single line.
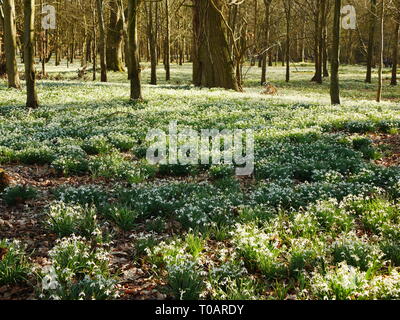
[[114, 38], [152, 44], [29, 33], [167, 43], [267, 4], [318, 43], [10, 41], [288, 9], [325, 39], [371, 36], [212, 61], [395, 52], [381, 39], [102, 41], [135, 69], [335, 90], [2, 55]]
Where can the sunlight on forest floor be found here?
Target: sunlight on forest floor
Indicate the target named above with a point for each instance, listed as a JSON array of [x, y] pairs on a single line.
[[318, 219]]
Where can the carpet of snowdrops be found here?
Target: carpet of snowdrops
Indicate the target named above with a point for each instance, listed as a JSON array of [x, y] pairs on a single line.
[[85, 216]]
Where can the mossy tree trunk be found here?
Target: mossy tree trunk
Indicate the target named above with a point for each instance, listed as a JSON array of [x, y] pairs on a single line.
[[212, 61], [114, 38]]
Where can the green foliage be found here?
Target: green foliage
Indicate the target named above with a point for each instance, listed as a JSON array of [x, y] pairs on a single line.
[[124, 217], [77, 271], [184, 281], [19, 194], [14, 264], [65, 220]]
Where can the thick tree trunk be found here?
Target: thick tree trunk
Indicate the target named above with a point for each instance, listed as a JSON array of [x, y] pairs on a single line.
[[29, 33], [114, 38], [335, 91], [395, 52], [371, 38], [212, 61], [10, 41], [102, 41], [135, 69]]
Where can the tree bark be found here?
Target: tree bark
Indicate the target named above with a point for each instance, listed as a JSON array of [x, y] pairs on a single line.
[[167, 43], [10, 41], [102, 41], [212, 61], [114, 38], [152, 44], [135, 69], [335, 90], [288, 9], [371, 40], [3, 68], [267, 4], [29, 33], [395, 52], [318, 42], [381, 48]]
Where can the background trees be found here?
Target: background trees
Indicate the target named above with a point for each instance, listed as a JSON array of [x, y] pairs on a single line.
[[218, 36], [10, 41]]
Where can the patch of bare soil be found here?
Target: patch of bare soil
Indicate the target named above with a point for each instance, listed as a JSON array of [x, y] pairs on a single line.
[[390, 145]]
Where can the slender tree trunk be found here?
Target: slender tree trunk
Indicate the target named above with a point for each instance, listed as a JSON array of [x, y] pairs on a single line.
[[381, 48], [317, 43], [395, 52], [371, 41], [10, 41], [267, 4], [335, 90], [167, 43], [152, 44], [102, 42], [29, 33], [94, 43], [288, 9], [325, 39], [2, 55], [212, 60], [135, 69]]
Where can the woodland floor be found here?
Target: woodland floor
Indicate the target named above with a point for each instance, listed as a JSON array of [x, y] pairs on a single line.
[[323, 176]]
